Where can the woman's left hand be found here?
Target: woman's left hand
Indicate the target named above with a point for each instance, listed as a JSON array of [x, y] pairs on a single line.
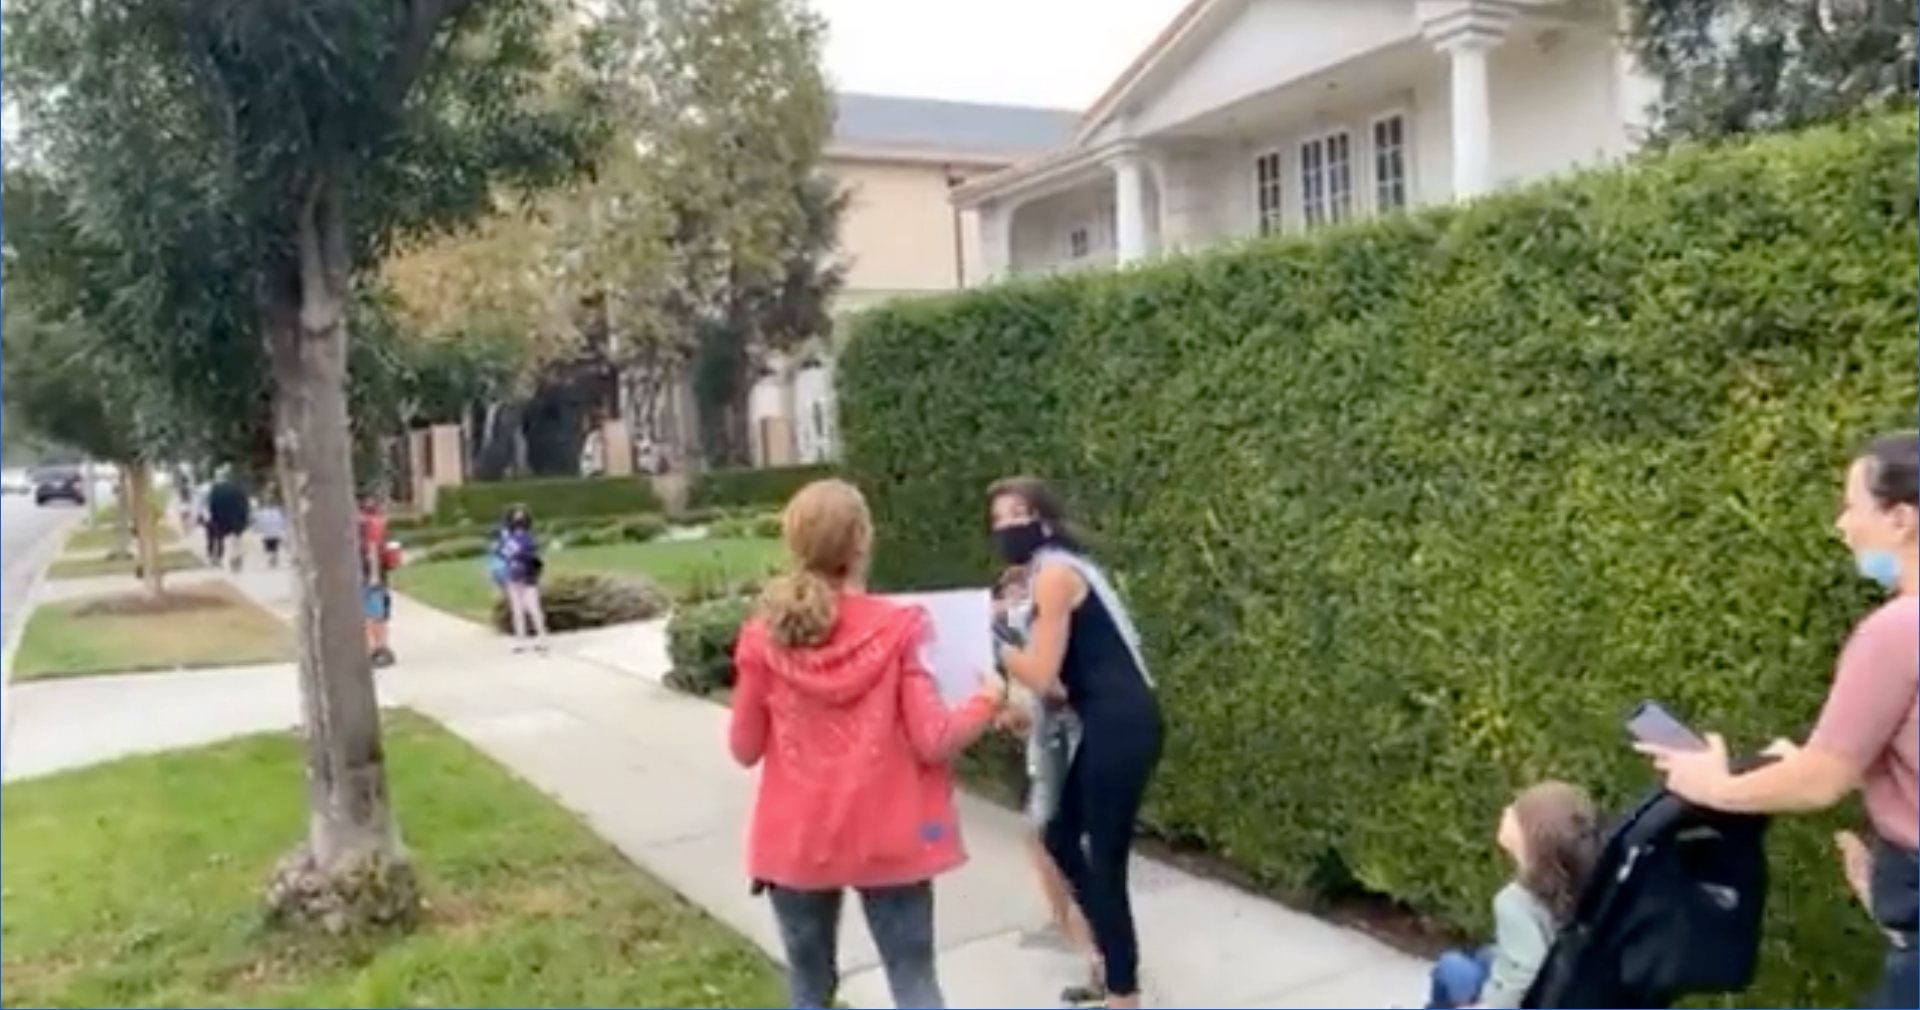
[[1694, 775]]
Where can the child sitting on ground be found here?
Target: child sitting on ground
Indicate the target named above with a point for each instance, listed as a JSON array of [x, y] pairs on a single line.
[[1552, 833], [1051, 734]]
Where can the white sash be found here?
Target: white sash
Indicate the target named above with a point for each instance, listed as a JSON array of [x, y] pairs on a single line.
[[1101, 587]]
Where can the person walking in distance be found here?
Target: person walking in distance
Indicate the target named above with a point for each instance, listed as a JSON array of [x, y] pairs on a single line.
[[377, 562], [270, 523], [522, 565], [229, 509], [853, 741], [1084, 645]]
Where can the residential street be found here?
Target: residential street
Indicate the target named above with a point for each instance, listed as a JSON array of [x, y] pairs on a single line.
[[26, 531]]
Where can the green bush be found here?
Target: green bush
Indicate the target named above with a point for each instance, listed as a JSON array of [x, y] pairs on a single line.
[[1413, 512], [641, 529], [753, 487], [700, 641], [548, 500], [426, 537], [453, 549], [761, 526], [579, 531], [631, 530], [578, 601]]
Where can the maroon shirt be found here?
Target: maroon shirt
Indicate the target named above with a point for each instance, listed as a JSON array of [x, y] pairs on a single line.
[[1872, 717]]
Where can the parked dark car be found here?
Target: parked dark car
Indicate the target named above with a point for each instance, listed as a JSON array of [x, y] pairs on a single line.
[[62, 484]]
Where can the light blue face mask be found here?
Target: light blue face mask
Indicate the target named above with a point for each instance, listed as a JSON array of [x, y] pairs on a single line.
[[1880, 566]]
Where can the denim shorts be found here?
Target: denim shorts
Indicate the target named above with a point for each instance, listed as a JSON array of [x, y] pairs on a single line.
[[379, 603]]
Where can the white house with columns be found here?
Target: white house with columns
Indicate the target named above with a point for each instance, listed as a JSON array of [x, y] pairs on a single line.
[[1256, 117]]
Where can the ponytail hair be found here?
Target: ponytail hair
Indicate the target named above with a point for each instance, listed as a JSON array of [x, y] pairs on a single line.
[[828, 533], [800, 609]]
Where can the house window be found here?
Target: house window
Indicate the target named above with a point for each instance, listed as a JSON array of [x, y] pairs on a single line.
[[1079, 242], [1326, 179], [1389, 163], [1269, 192]]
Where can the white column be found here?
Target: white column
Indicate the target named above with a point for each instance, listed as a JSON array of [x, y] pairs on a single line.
[[1130, 228], [1472, 116], [1468, 31], [995, 222]]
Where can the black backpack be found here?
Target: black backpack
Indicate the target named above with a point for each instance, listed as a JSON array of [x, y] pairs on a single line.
[[1674, 909]]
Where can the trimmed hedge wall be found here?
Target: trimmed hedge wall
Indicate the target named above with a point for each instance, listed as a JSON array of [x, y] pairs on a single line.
[[753, 487], [557, 498], [1414, 511]]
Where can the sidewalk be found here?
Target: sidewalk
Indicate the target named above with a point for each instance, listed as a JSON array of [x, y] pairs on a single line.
[[647, 768]]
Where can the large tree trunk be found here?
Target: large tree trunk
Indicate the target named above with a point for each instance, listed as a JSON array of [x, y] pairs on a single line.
[[138, 504], [352, 872]]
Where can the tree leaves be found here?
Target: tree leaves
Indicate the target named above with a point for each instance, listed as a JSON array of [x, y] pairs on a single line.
[[1730, 67]]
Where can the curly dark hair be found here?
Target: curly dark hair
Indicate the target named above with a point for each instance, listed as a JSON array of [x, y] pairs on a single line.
[[1560, 827]]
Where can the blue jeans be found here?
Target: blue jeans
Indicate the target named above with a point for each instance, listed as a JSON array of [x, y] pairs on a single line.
[[901, 921], [1458, 976], [1900, 981]]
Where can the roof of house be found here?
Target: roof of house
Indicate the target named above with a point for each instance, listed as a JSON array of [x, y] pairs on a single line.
[[887, 122]]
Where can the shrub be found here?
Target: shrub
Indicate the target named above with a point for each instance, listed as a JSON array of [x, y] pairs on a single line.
[[548, 499], [700, 640], [422, 538], [641, 529], [578, 601], [699, 516], [454, 549], [1421, 507], [761, 526], [717, 581], [753, 487]]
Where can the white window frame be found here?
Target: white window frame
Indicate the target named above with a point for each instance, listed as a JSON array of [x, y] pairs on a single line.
[[1321, 202], [1377, 185], [1270, 191]]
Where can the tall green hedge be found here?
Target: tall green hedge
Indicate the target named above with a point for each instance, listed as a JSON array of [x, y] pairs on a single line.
[[1414, 511]]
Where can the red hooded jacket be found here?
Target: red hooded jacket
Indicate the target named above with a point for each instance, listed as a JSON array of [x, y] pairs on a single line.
[[853, 742]]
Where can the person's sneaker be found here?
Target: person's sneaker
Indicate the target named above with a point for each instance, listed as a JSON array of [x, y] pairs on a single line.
[[1083, 996], [383, 658]]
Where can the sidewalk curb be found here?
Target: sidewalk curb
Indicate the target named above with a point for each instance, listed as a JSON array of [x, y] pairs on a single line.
[[39, 561]]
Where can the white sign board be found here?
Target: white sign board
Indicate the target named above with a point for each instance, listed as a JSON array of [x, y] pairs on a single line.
[[962, 648]]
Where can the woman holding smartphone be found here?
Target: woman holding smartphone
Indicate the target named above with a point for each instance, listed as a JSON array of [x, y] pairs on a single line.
[[1869, 730]]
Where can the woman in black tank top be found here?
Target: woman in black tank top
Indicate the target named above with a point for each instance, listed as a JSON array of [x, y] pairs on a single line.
[[1080, 647]]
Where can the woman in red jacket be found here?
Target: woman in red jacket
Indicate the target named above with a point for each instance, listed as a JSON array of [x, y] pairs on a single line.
[[832, 702]]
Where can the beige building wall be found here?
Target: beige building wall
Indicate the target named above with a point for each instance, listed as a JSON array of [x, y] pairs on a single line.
[[901, 234]]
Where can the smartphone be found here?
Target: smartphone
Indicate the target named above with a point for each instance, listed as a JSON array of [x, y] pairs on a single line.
[[1651, 723]]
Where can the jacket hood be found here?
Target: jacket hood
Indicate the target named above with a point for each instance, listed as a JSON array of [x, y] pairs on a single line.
[[862, 655]]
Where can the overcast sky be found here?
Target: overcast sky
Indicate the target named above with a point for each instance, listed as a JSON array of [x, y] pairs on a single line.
[[1059, 53]]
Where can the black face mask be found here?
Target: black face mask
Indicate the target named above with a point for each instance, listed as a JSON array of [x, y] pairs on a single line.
[[1017, 544]]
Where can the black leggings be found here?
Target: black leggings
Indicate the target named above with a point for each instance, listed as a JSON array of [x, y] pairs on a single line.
[[1091, 837]]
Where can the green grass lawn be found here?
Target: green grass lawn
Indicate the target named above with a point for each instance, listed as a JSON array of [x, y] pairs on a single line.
[[206, 625], [90, 540], [676, 566], [95, 566], [137, 884]]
